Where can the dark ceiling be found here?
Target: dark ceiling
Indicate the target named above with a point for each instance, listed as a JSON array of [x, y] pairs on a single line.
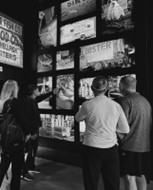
[[22, 10]]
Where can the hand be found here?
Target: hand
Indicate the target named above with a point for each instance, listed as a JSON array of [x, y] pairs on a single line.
[[33, 137], [27, 137], [55, 91]]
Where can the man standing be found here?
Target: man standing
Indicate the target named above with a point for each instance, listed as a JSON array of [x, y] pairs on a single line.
[[135, 146], [32, 114], [104, 118]]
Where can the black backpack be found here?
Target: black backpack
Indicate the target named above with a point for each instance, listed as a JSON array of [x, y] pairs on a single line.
[[12, 137]]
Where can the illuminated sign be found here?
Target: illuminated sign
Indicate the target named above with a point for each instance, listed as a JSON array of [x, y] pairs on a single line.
[[11, 42]]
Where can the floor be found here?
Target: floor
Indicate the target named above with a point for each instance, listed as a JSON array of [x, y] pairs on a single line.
[[56, 176]]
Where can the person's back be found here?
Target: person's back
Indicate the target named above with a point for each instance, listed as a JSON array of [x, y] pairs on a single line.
[[31, 111], [101, 121], [104, 118], [138, 112], [135, 146], [15, 153], [32, 114]]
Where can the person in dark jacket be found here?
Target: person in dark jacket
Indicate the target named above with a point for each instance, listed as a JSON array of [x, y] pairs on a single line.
[[32, 114], [10, 93]]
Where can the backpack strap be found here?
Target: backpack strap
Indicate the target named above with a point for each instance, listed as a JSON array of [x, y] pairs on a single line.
[[7, 106]]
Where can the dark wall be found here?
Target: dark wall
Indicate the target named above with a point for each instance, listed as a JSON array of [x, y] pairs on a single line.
[[26, 13]]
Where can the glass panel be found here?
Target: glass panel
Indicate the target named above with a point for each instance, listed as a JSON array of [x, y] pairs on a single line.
[[57, 126]]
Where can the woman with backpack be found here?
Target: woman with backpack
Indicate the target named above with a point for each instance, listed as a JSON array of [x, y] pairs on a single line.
[[12, 122]]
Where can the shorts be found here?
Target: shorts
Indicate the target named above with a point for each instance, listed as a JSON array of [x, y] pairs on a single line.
[[135, 164]]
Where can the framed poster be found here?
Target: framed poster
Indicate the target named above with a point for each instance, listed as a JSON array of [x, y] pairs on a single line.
[[11, 41]]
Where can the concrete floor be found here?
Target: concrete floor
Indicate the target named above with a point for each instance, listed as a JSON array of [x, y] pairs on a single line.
[[56, 176]]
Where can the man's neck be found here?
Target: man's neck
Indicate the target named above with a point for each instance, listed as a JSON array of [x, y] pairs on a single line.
[[99, 94], [129, 92]]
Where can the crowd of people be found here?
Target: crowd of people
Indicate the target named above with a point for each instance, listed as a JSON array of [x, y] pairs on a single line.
[[116, 141]]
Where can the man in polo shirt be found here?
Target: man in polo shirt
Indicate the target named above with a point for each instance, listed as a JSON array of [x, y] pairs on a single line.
[[135, 146], [104, 118]]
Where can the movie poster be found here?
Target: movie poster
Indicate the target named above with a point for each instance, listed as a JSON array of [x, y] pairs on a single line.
[[11, 41]]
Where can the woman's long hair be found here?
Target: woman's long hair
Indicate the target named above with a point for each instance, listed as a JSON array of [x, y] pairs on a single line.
[[9, 91]]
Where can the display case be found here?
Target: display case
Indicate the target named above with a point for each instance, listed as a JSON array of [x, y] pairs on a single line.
[[57, 126], [93, 38]]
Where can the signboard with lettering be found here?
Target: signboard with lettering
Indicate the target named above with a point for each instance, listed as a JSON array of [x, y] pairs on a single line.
[[73, 8], [11, 41], [107, 55], [82, 30]]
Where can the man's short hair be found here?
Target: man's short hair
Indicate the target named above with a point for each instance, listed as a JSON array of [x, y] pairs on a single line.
[[129, 82], [100, 84]]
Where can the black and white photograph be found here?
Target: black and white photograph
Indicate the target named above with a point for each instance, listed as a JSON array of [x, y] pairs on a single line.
[[76, 95], [45, 62], [71, 9], [65, 94], [47, 29], [44, 85], [57, 126], [118, 53], [65, 60], [117, 16]]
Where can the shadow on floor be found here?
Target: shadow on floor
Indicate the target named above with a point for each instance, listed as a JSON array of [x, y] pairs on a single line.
[[56, 176]]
